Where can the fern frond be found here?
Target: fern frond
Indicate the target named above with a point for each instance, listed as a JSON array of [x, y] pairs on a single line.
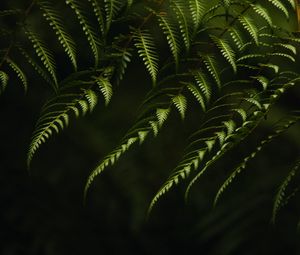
[[197, 11], [170, 31], [111, 8], [261, 11], [3, 81], [283, 55], [136, 134], [180, 103], [203, 84], [289, 47], [183, 20], [262, 80], [56, 114], [42, 72], [198, 95], [105, 88], [21, 75], [87, 28], [280, 6], [147, 51], [99, 14], [249, 25], [237, 37], [43, 53], [211, 65], [275, 68], [280, 129], [226, 51], [56, 23], [280, 196]]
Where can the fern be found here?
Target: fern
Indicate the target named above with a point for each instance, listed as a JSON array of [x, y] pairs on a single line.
[[43, 53], [280, 6], [21, 75], [172, 36], [56, 23], [87, 28], [261, 11], [56, 114], [105, 88], [3, 81], [226, 51], [277, 132], [183, 20], [180, 103], [197, 11], [280, 196], [248, 24], [147, 51], [111, 7]]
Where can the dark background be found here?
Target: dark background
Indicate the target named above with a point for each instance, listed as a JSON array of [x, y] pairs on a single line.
[[42, 212]]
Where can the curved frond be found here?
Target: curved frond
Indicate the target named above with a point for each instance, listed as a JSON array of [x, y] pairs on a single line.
[[170, 31], [105, 88], [56, 23], [21, 75], [281, 194], [111, 8], [56, 115], [43, 53], [249, 25], [87, 28], [3, 81], [144, 42], [180, 103], [280, 6], [226, 51]]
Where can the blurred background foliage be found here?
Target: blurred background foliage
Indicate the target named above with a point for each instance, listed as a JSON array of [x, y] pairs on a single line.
[[42, 212]]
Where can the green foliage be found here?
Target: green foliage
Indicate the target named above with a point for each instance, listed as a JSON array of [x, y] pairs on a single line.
[[229, 58]]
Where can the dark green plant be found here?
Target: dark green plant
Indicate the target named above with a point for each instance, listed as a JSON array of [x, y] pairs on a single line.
[[232, 58]]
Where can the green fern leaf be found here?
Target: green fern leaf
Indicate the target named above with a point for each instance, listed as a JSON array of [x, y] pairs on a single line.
[[179, 8], [56, 114], [170, 31], [280, 196], [279, 5], [43, 53], [249, 25], [203, 84], [147, 51], [292, 3], [42, 72], [105, 88], [197, 11], [211, 65], [99, 14], [226, 51], [198, 95], [236, 37], [271, 66], [162, 115], [283, 55], [287, 46], [21, 75], [3, 81], [111, 7], [56, 23], [261, 11], [262, 80], [180, 103], [87, 28]]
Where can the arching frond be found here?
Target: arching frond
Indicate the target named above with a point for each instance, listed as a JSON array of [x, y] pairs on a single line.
[[170, 31], [281, 194], [183, 20], [43, 53], [55, 21], [3, 81], [56, 114], [226, 51], [144, 42], [111, 8], [197, 10], [211, 65], [261, 11], [21, 75], [277, 132], [105, 88], [249, 25], [180, 103], [280, 6], [87, 28]]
